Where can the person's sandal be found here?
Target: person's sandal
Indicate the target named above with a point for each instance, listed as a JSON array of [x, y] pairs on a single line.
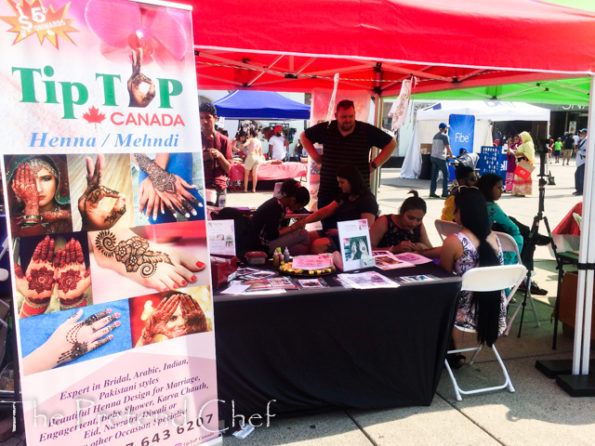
[[455, 360]]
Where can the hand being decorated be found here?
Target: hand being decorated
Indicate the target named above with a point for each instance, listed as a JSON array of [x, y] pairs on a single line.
[[89, 204]]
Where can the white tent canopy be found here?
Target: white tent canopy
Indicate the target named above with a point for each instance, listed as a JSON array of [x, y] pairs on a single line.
[[488, 110], [485, 112]]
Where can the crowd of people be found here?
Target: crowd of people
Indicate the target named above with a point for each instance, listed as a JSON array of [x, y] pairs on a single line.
[[219, 152], [520, 149]]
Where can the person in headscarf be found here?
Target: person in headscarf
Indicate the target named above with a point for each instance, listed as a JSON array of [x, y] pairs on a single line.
[[40, 201], [526, 151]]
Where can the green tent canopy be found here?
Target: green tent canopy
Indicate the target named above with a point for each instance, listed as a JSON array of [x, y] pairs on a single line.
[[565, 92], [559, 91]]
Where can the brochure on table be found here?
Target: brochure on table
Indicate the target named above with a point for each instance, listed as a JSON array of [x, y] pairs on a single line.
[[221, 237], [104, 192], [354, 241]]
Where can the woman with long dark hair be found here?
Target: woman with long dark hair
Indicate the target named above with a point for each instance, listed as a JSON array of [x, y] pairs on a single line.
[[403, 232], [490, 185], [354, 202], [476, 245]]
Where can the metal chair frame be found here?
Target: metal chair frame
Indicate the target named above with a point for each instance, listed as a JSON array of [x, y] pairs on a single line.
[[509, 244], [482, 279]]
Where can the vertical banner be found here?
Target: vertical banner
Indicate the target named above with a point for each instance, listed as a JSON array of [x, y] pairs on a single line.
[[104, 195], [493, 160], [460, 133]]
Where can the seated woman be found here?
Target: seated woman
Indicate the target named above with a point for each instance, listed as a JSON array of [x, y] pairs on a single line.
[[402, 232], [354, 202], [476, 245], [464, 176], [490, 186], [268, 222]]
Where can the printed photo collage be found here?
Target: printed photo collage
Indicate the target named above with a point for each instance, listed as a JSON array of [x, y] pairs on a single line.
[[110, 253]]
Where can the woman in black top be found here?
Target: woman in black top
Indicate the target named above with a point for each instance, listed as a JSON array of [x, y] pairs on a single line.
[[354, 202], [402, 232]]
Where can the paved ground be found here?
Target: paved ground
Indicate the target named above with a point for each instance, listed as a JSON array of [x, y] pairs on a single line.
[[539, 413]]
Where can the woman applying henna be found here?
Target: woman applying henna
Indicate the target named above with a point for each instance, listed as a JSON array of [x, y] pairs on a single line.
[[38, 195]]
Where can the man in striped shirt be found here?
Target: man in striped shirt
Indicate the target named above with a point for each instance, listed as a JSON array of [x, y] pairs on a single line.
[[345, 141]]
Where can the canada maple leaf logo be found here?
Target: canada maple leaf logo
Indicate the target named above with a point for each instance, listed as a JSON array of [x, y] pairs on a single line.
[[93, 116]]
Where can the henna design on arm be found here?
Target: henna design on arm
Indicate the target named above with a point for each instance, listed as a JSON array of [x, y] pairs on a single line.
[[134, 253], [162, 180], [84, 343], [53, 216]]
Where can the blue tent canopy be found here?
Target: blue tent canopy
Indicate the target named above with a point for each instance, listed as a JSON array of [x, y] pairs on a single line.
[[249, 104]]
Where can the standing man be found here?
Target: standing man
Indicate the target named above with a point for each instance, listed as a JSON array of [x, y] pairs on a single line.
[[345, 141], [277, 144], [568, 148], [439, 144], [581, 154], [216, 156]]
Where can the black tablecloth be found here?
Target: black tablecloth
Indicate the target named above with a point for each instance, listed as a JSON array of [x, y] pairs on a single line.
[[334, 347]]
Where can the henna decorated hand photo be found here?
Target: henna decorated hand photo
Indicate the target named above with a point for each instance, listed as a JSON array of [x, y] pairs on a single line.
[[71, 275], [152, 265], [149, 202], [25, 189], [71, 340], [37, 284], [171, 189], [177, 315], [94, 216], [141, 89], [196, 321]]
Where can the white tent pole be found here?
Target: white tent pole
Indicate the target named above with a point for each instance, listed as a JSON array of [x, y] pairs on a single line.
[[584, 297], [375, 180]]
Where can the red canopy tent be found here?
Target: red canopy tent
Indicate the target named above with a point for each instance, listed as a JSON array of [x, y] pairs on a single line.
[[298, 45]]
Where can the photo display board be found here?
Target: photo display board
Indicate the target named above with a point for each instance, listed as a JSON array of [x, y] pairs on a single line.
[[102, 167]]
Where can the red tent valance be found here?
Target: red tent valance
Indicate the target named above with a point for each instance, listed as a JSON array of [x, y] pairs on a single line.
[[298, 45]]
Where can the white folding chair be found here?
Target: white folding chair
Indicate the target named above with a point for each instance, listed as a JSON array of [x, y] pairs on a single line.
[[488, 278], [446, 228], [509, 244]]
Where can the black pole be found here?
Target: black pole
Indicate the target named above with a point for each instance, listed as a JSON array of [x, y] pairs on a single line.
[[532, 237]]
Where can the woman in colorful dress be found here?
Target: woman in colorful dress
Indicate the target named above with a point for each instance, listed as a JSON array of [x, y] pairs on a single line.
[[526, 151]]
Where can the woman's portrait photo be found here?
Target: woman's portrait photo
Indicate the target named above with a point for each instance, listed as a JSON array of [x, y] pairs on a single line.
[[38, 194]]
